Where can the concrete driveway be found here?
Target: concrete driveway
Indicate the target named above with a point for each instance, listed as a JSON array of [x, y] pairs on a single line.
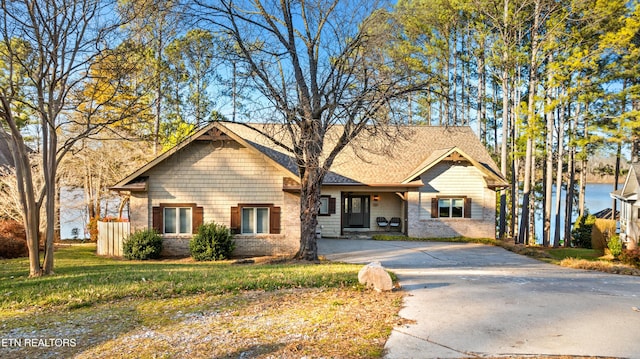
[[471, 300]]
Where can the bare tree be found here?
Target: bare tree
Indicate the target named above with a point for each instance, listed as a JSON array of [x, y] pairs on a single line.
[[60, 40], [319, 65]]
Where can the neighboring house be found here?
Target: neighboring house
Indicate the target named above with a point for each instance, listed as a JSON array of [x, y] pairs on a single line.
[[434, 182], [6, 157], [629, 207]]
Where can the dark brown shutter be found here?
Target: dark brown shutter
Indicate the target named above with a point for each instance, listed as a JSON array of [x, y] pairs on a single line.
[[235, 220], [198, 218], [332, 205], [274, 225], [467, 207], [157, 219], [434, 207]]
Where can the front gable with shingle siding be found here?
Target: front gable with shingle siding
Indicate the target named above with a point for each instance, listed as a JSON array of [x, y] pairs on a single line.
[[446, 183], [218, 178]]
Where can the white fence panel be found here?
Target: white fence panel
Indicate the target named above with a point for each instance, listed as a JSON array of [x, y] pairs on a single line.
[[110, 237]]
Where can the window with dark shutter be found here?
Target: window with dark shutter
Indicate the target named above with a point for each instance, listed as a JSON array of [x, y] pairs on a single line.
[[274, 220], [451, 207], [157, 219], [235, 220], [467, 207], [177, 218], [248, 218], [198, 218], [434, 207]]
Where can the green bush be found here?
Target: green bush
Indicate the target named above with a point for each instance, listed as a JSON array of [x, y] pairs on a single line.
[[615, 246], [581, 232], [631, 257], [212, 242], [145, 244]]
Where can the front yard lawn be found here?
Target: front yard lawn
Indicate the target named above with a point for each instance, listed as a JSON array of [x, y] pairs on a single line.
[[95, 307]]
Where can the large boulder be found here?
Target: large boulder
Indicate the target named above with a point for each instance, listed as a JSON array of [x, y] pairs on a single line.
[[374, 275]]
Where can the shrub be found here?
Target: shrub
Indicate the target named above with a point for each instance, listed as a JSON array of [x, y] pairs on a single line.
[[145, 244], [631, 257], [92, 226], [582, 229], [615, 246], [212, 242], [13, 240]]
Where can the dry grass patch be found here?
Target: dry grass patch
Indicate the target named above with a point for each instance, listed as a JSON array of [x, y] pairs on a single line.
[[289, 323], [107, 308], [600, 265]]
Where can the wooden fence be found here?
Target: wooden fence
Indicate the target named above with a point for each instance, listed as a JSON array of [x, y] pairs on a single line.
[[110, 237]]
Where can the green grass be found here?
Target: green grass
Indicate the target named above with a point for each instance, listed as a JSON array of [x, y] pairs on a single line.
[[119, 308], [82, 279], [559, 254], [384, 237]]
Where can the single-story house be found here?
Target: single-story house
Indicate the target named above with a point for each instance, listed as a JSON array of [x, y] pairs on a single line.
[[629, 207], [428, 182]]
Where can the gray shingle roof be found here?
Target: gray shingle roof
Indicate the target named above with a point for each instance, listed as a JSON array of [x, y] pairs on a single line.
[[373, 161], [372, 158]]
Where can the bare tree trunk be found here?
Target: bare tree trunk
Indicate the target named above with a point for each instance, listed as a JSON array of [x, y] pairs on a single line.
[[560, 146], [523, 235], [50, 173], [616, 179], [494, 108], [572, 177], [504, 148], [583, 165], [30, 208], [482, 106], [548, 183], [532, 203]]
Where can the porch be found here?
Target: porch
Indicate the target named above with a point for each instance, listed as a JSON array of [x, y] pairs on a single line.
[[363, 213]]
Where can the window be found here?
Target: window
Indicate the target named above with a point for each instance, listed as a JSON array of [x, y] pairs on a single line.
[[255, 220], [324, 206], [451, 207], [177, 218], [327, 206]]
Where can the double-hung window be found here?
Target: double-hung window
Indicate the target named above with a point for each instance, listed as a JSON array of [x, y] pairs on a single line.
[[451, 207], [177, 220], [255, 220], [252, 218]]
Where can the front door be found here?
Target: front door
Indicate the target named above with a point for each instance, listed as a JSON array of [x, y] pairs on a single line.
[[356, 211]]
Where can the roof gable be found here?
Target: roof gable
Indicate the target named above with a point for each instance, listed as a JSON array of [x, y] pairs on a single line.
[[213, 131], [367, 160], [455, 154], [629, 190]]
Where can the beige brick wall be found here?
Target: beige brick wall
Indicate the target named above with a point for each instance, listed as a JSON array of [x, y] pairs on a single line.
[[446, 179], [217, 176]]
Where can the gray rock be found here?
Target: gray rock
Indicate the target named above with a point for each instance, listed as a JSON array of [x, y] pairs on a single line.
[[374, 275]]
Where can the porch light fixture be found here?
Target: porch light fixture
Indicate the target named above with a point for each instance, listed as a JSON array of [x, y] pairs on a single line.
[[376, 198]]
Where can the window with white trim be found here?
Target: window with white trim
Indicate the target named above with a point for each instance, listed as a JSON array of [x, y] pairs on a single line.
[[177, 220], [255, 220], [451, 207]]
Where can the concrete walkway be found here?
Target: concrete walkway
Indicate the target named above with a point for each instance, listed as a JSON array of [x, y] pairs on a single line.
[[471, 300]]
